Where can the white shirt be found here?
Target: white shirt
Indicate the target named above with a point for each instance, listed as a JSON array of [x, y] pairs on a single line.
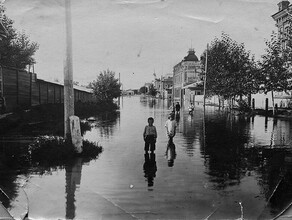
[[170, 126]]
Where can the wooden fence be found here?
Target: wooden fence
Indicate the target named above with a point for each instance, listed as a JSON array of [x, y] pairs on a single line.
[[23, 89]]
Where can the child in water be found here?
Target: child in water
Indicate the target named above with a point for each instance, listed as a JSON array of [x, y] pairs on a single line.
[[150, 135]]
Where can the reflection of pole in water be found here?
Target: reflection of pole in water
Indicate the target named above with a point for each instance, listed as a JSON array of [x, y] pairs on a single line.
[[204, 133], [266, 124], [205, 78], [273, 132], [73, 178]]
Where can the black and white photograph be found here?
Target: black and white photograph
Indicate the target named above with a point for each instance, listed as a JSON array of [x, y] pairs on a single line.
[[145, 109]]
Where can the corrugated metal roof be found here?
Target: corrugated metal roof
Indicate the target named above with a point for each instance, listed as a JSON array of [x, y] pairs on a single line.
[[80, 88]]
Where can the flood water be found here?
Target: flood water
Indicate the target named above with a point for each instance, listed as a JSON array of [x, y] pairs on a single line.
[[221, 166]]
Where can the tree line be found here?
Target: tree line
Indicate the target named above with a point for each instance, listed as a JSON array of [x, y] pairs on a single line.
[[232, 71], [16, 49]]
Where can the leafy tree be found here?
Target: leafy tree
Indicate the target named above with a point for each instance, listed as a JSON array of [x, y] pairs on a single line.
[[152, 91], [143, 90], [16, 49], [230, 68], [274, 69], [106, 87]]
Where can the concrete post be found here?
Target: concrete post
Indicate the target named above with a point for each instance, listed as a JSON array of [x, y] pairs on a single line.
[[68, 73]]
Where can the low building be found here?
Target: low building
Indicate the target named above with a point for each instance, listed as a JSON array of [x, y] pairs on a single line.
[[187, 78], [129, 92]]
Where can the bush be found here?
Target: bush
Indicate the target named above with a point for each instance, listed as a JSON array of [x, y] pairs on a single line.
[[243, 106], [55, 150]]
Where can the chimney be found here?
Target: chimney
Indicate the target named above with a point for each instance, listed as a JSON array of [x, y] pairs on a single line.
[[283, 5]]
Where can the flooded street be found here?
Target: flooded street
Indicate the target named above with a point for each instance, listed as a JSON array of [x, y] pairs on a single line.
[[222, 167]]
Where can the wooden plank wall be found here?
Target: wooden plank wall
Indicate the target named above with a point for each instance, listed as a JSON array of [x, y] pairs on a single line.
[[10, 88], [23, 89]]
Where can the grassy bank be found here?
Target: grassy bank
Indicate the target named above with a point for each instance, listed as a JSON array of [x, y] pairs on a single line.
[[54, 150], [45, 152]]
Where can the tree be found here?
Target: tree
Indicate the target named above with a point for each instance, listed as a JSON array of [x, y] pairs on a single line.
[[16, 49], [143, 90], [106, 87], [230, 69], [274, 70], [152, 91]]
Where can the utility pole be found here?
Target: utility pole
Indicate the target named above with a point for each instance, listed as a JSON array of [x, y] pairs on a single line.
[[68, 73], [205, 78]]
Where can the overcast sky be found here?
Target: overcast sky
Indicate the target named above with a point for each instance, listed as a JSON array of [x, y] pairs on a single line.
[[136, 37]]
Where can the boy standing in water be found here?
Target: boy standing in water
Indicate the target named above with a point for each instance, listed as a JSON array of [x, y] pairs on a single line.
[[150, 135], [170, 126]]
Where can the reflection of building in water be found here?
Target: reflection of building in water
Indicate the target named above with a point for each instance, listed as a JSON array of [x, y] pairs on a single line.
[[73, 179], [150, 168], [268, 131], [170, 153], [191, 128]]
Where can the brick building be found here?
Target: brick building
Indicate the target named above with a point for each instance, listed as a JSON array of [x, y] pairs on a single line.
[[187, 76]]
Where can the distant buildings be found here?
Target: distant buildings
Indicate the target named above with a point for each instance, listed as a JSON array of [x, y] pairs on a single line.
[[130, 92], [187, 78], [164, 87]]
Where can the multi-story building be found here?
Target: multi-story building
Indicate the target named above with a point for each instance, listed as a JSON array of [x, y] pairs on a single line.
[[187, 75], [283, 20]]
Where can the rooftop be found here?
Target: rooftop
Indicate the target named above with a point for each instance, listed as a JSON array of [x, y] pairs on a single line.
[[191, 56]]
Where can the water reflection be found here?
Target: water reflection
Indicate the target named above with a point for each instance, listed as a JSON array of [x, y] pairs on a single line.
[[177, 117], [191, 128], [170, 153], [73, 179], [150, 168], [107, 123], [235, 158], [224, 149], [13, 159], [275, 169], [237, 147]]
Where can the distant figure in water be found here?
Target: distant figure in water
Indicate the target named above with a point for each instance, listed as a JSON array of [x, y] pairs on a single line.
[[172, 108], [170, 153], [177, 108], [150, 168], [150, 136], [170, 126]]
